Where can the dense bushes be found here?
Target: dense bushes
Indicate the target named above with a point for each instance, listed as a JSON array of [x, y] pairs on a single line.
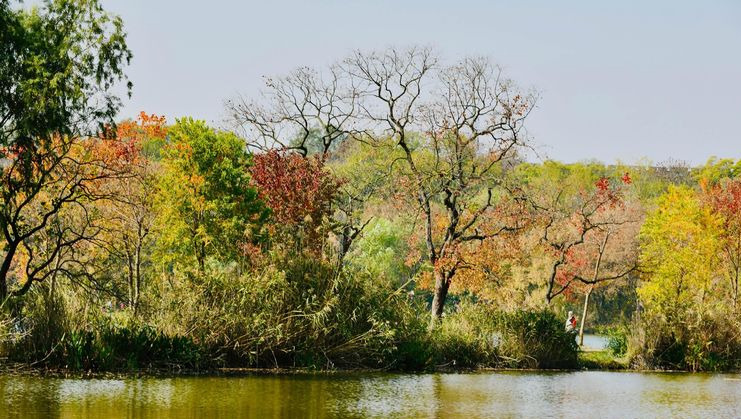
[[49, 335], [711, 343], [459, 341], [137, 347], [536, 339], [477, 335], [302, 316]]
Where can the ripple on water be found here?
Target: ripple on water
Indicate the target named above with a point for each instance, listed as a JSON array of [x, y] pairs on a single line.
[[489, 394]]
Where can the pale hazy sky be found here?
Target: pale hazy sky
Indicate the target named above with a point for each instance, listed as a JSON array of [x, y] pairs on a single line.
[[618, 80]]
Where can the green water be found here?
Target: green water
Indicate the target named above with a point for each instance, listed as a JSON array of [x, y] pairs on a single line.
[[486, 394]]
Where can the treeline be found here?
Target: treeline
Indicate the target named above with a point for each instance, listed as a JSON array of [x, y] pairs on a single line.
[[380, 213]]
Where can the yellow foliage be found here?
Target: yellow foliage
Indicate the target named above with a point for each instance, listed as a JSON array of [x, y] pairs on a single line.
[[679, 253]]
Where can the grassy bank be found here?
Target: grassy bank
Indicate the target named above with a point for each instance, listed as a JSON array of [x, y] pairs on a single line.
[[602, 360], [474, 336]]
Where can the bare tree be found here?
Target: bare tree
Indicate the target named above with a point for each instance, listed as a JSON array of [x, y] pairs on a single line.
[[470, 121], [312, 114], [129, 219], [303, 111], [453, 127]]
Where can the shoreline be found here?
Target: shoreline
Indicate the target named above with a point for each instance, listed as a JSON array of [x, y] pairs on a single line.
[[24, 370]]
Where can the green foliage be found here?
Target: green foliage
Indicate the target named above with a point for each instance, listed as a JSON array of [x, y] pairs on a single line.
[[716, 170], [713, 345], [378, 251], [477, 335], [294, 312], [613, 305], [110, 347], [36, 326], [601, 360], [617, 340], [573, 177], [207, 206], [57, 66], [463, 339], [536, 339], [49, 333]]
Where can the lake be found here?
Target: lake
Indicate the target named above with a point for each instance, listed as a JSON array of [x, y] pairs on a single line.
[[594, 341], [466, 395]]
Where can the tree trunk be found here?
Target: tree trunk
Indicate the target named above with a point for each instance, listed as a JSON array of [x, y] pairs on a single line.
[[597, 266], [3, 291], [734, 286], [440, 295], [201, 256], [346, 239], [4, 269], [53, 281], [584, 315], [137, 278], [130, 276]]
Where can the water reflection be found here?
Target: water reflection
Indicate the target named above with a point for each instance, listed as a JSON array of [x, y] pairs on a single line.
[[503, 394]]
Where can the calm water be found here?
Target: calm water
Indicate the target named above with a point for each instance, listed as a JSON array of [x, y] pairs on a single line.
[[486, 394], [594, 341]]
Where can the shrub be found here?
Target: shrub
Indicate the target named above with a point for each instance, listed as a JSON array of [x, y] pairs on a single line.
[[477, 335], [48, 332], [110, 347], [617, 340], [535, 339], [299, 315], [711, 343], [38, 325]]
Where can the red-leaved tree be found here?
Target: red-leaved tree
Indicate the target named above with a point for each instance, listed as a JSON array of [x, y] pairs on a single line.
[[725, 200], [299, 191]]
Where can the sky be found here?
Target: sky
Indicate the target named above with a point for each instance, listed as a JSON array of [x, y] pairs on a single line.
[[619, 81]]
